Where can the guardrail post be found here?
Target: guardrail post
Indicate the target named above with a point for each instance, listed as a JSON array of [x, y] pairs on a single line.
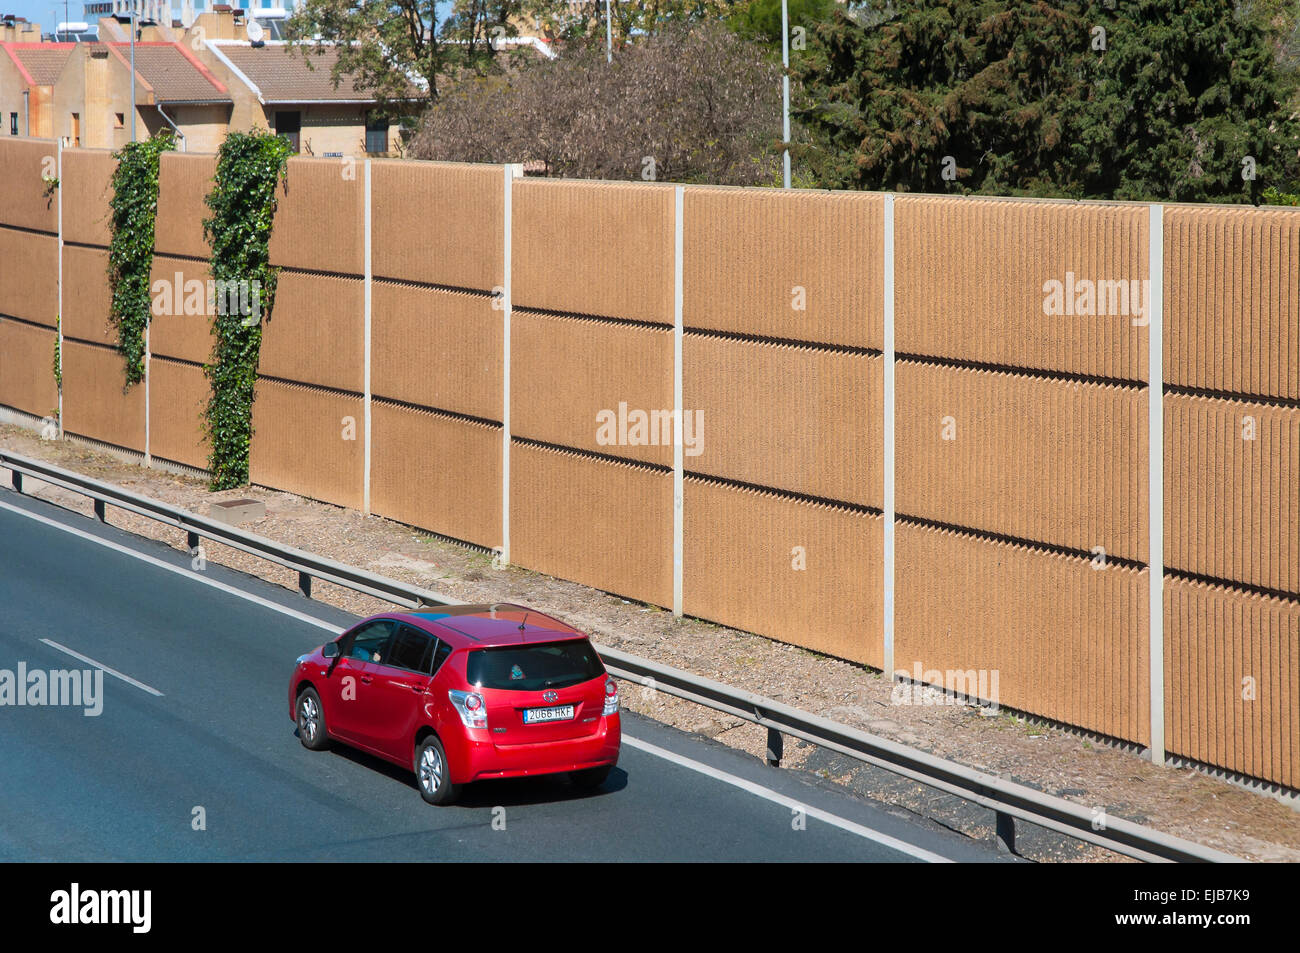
[[192, 540], [16, 479], [775, 747], [1006, 832], [304, 584], [101, 511]]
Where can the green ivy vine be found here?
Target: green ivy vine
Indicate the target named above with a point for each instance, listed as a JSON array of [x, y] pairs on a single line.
[[242, 202], [134, 208]]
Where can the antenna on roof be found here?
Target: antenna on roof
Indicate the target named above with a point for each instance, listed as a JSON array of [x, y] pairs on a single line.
[[524, 623]]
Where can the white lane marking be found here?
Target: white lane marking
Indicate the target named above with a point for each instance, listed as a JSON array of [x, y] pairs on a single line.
[[759, 791], [100, 665], [179, 570]]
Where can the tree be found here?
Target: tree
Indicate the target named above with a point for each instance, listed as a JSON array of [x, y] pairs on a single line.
[[1155, 99], [387, 46], [690, 103], [583, 21], [762, 18]]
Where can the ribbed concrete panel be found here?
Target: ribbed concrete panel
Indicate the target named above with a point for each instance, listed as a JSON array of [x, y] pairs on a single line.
[[87, 187], [308, 441], [1232, 299], [593, 385], [803, 573], [319, 219], [436, 472], [95, 404], [1232, 677], [436, 348], [87, 298], [604, 524], [183, 307], [29, 276], [24, 164], [178, 399], [598, 248], [1063, 639], [974, 282], [438, 223], [316, 332], [802, 419], [184, 181], [1038, 459], [27, 368], [797, 265], [1232, 490]]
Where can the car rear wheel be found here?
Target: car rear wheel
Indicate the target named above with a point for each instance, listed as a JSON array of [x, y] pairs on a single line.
[[432, 774], [590, 778], [311, 721]]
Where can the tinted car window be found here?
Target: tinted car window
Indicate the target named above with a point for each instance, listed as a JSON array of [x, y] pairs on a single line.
[[369, 641], [530, 668], [409, 649], [440, 655]]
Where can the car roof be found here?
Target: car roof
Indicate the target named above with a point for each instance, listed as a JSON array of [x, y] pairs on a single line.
[[489, 626]]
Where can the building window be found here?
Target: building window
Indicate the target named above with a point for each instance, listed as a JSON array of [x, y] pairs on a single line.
[[376, 134], [289, 125], [13, 124], [119, 119]]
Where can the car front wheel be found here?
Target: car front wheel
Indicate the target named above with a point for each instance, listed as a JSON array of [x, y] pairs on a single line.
[[432, 773], [311, 721]]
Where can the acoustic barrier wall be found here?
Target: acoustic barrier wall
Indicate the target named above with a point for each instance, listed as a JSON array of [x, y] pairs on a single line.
[[500, 360], [29, 250]]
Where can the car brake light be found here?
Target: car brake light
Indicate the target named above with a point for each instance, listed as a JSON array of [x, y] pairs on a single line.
[[469, 705], [611, 697]]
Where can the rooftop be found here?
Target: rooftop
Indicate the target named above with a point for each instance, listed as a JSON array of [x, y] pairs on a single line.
[[500, 623], [39, 63], [280, 74]]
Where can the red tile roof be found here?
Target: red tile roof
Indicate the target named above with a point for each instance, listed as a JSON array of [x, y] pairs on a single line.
[[173, 73], [39, 63], [285, 75]]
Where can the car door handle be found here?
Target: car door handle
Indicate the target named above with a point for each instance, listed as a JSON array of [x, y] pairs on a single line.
[[365, 679], [418, 689]]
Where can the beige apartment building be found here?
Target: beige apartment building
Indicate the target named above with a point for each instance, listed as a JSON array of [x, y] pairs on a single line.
[[203, 82]]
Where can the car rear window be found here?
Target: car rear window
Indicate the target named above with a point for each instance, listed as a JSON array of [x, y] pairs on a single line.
[[531, 668]]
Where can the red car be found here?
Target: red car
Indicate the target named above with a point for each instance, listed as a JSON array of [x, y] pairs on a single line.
[[459, 694]]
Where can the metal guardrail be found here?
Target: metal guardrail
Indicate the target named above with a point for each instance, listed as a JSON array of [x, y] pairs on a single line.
[[1009, 801]]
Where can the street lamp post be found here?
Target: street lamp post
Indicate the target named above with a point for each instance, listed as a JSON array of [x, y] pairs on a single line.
[[133, 16], [609, 35], [785, 92]]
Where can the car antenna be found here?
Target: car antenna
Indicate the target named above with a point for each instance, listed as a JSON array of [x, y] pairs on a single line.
[[524, 623]]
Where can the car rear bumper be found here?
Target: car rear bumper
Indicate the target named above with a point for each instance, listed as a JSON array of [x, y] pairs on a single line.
[[474, 760]]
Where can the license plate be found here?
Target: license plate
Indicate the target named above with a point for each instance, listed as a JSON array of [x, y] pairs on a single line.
[[533, 716]]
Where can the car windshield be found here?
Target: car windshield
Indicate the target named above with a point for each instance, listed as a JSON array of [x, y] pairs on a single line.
[[531, 668]]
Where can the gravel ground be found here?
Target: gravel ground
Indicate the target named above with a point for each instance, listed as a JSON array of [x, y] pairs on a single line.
[[1180, 801]]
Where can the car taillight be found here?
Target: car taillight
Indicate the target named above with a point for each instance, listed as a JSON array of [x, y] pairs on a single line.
[[611, 697], [470, 707]]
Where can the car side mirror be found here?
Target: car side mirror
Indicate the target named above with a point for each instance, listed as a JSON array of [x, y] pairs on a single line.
[[330, 650]]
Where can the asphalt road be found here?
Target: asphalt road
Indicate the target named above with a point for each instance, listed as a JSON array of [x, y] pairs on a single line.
[[203, 724]]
